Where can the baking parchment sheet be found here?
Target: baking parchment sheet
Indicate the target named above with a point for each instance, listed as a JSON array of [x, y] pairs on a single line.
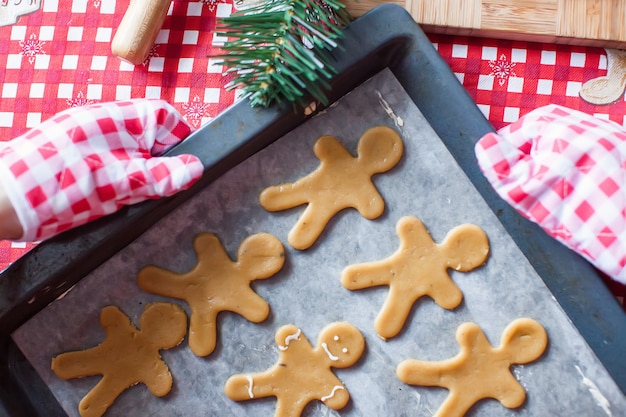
[[567, 380]]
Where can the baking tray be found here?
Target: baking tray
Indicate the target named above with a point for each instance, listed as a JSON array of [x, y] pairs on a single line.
[[386, 37]]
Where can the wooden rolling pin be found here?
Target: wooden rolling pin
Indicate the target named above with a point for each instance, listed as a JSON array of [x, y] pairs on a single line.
[[138, 29]]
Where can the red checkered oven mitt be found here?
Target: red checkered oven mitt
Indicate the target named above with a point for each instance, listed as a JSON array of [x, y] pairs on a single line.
[[565, 170], [87, 162]]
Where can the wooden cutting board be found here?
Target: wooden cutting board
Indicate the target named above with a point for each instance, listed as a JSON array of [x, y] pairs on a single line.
[[584, 22]]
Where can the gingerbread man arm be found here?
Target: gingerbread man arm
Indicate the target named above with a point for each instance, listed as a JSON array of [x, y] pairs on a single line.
[[423, 373], [156, 280], [285, 196], [79, 364], [259, 256], [288, 335], [249, 386], [160, 281], [328, 147], [367, 274], [76, 364]]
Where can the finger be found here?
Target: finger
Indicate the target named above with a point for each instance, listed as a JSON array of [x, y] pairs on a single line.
[[173, 128], [159, 177], [155, 123]]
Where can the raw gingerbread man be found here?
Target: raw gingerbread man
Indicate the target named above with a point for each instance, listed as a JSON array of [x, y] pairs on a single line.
[[303, 372], [218, 284], [479, 370], [418, 268], [341, 181], [127, 356]]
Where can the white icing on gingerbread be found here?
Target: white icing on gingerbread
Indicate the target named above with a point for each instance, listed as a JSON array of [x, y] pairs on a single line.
[[289, 338], [332, 394], [328, 352], [250, 383], [303, 373]]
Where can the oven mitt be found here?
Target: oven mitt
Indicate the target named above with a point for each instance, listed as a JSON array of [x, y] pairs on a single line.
[[87, 162], [565, 171]]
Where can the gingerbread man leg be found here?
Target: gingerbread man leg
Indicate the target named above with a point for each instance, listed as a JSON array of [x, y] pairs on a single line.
[[394, 313], [310, 226], [98, 400]]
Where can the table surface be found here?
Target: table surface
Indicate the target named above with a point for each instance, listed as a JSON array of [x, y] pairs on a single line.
[[59, 56]]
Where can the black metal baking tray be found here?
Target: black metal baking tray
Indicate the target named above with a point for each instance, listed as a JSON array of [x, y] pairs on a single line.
[[386, 37]]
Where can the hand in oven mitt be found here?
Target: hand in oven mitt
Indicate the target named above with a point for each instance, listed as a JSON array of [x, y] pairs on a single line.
[[565, 170], [87, 162]]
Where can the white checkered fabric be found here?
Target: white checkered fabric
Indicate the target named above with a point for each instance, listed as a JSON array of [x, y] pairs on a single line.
[[87, 162], [565, 170]]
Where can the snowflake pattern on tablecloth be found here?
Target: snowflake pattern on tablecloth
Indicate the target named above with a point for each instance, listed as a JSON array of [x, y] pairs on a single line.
[[195, 110], [212, 4], [32, 47], [79, 100], [502, 69]]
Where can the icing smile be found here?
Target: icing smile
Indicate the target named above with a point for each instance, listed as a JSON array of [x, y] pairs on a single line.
[[330, 355]]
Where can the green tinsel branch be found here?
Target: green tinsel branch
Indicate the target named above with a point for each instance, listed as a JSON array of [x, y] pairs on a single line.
[[280, 49]]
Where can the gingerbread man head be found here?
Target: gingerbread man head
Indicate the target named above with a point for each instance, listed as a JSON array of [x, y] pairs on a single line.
[[342, 343]]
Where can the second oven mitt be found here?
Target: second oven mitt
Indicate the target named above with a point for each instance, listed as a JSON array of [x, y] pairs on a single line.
[[565, 170], [87, 162]]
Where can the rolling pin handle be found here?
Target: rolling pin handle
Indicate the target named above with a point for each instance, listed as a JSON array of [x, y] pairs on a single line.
[[138, 29]]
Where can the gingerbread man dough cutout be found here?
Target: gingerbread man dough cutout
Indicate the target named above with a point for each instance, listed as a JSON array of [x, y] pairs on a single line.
[[127, 356], [419, 268], [479, 370], [218, 284], [341, 181], [303, 373]]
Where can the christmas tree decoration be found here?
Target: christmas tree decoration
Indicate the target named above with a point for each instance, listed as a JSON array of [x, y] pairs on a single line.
[[280, 50]]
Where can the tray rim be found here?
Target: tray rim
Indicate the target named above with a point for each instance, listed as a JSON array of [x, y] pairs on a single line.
[[384, 37]]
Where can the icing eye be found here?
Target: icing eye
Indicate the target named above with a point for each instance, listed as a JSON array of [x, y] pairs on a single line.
[[336, 338], [345, 350]]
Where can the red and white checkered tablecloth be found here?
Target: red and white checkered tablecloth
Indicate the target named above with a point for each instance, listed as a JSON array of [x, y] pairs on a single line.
[[60, 57]]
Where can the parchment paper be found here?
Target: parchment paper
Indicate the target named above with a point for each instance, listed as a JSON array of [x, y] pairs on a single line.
[[567, 380]]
